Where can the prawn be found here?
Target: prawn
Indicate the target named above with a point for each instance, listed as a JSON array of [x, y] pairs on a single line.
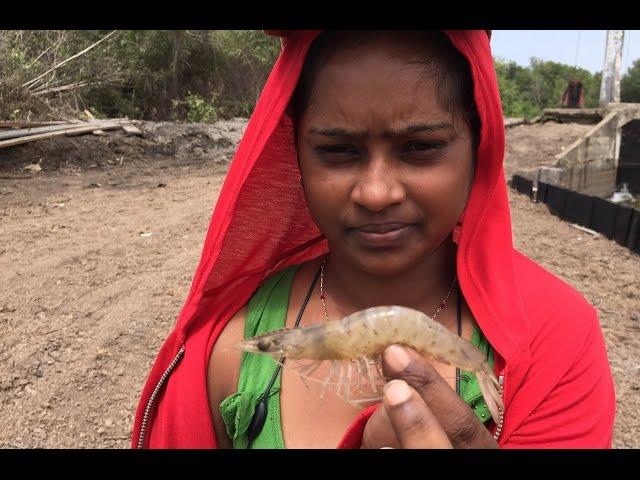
[[354, 345]]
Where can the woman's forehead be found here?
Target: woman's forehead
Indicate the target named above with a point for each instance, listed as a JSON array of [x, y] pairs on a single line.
[[410, 46], [373, 84], [379, 80]]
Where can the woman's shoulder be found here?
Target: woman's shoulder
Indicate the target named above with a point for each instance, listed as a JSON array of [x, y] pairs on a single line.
[[223, 370]]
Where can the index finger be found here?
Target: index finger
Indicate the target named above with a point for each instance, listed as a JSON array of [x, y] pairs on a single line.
[[462, 426]]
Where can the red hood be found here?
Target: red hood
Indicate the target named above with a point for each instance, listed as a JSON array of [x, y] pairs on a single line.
[[261, 224]]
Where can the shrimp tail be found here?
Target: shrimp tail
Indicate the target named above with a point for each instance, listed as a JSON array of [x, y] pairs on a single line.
[[492, 393]]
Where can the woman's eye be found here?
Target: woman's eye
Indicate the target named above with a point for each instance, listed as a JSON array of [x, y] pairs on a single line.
[[337, 149], [422, 146], [342, 154]]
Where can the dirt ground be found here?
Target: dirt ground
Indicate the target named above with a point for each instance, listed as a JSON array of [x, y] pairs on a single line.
[[530, 146], [97, 253]]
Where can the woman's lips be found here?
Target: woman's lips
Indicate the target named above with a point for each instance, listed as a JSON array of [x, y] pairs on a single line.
[[383, 234]]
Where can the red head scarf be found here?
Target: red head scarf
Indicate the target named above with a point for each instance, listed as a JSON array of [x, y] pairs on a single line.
[[261, 225]]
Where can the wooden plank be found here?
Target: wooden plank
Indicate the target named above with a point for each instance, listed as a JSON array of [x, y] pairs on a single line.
[[514, 122], [104, 126], [75, 130], [131, 129], [11, 124], [52, 128], [92, 118]]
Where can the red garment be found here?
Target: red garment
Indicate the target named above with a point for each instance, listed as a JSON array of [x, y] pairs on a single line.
[[558, 388]]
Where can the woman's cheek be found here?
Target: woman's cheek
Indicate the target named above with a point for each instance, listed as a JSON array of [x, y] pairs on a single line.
[[325, 200], [441, 203]]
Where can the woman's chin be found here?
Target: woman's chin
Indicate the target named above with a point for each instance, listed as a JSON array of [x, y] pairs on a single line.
[[389, 263]]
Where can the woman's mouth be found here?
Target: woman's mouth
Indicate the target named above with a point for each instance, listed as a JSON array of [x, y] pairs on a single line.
[[381, 235]]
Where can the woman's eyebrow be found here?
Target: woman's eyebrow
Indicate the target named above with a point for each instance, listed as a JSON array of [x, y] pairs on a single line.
[[403, 130], [337, 132], [419, 127]]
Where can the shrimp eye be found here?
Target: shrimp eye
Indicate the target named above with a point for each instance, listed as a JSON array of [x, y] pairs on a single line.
[[263, 345]]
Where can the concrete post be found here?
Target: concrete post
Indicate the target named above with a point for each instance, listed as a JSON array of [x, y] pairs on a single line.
[[610, 85]]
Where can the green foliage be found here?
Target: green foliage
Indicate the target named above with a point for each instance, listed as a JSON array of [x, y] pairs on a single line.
[[150, 74], [205, 75], [196, 109], [181, 74], [630, 84], [525, 91]]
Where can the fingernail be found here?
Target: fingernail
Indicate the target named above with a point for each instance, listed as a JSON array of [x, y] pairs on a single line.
[[396, 357], [397, 392]]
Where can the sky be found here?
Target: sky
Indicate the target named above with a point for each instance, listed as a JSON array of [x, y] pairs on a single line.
[[562, 46]]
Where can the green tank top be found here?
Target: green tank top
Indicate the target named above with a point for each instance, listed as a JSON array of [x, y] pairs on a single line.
[[267, 311]]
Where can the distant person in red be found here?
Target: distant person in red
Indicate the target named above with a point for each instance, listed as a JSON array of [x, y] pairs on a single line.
[[574, 95]]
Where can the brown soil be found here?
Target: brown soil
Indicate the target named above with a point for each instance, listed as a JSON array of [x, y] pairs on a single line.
[[86, 300], [530, 146]]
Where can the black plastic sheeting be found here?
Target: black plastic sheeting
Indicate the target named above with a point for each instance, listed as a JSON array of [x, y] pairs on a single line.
[[522, 185], [578, 208], [557, 200], [526, 186], [603, 219], [623, 221], [633, 236], [616, 222], [542, 192]]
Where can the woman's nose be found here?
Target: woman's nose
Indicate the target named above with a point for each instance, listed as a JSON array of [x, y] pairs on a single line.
[[378, 187]]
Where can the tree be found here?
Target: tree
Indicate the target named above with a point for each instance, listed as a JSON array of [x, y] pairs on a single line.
[[526, 91], [630, 84]]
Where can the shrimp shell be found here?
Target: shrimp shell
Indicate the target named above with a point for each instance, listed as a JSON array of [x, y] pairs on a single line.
[[361, 338]]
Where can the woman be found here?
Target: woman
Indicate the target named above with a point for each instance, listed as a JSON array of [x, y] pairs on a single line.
[[373, 163]]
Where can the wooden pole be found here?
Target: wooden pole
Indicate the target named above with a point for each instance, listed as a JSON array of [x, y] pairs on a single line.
[[75, 130]]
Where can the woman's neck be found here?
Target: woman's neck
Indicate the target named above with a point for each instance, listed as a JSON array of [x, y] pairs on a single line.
[[422, 287]]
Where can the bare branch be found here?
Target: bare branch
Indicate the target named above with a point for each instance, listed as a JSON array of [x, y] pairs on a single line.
[[38, 57], [90, 47], [71, 86]]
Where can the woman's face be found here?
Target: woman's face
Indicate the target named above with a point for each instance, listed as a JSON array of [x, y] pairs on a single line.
[[386, 168]]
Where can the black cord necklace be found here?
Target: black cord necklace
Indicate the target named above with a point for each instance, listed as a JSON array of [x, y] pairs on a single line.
[[260, 413]]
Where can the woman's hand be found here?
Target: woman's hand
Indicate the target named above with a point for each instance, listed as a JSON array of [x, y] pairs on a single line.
[[421, 410]]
